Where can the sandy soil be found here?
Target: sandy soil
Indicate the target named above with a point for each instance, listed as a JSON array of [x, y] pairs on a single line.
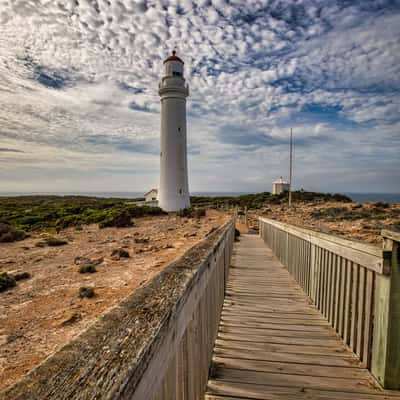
[[44, 312], [357, 221]]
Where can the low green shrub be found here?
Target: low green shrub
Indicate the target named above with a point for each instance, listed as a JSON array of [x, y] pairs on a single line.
[[21, 275], [119, 253], [200, 212], [9, 233], [87, 292], [185, 213], [118, 218], [51, 241], [27, 213], [87, 269], [6, 281]]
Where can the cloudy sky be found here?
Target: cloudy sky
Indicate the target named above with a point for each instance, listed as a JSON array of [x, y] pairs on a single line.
[[79, 109]]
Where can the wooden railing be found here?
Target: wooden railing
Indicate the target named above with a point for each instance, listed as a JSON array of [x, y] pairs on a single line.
[[356, 287], [156, 344]]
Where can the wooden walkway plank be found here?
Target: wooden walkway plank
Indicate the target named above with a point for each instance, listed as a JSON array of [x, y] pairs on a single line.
[[274, 344]]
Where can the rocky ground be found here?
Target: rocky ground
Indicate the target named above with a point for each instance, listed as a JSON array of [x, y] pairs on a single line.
[[357, 221], [47, 309]]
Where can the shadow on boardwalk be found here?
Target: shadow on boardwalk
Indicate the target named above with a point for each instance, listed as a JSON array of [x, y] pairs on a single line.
[[272, 342]]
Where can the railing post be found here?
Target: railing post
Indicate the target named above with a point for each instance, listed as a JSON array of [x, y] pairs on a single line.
[[313, 274], [385, 363]]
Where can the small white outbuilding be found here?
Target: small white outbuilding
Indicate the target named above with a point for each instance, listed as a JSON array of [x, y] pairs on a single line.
[[279, 186], [151, 196]]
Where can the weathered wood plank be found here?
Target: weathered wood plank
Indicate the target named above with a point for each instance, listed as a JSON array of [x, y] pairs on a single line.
[[274, 344], [241, 390]]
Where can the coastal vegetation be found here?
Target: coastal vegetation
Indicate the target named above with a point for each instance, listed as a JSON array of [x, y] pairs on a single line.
[[258, 200], [28, 213]]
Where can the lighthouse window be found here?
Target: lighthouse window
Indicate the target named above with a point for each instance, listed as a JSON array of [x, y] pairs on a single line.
[[180, 191], [176, 73], [179, 129]]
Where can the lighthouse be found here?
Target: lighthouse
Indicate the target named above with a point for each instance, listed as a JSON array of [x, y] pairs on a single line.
[[174, 188]]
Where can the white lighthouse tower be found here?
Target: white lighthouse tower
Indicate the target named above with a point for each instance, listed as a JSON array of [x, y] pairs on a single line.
[[174, 189]]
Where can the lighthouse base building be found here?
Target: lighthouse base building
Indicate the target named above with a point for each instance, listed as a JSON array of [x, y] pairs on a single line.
[[173, 193]]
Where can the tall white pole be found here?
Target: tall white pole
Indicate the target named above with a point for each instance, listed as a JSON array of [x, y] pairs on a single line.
[[290, 167]]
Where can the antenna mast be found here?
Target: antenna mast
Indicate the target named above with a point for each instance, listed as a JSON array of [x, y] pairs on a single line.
[[290, 167]]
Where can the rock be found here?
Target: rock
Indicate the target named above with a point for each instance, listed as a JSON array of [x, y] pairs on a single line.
[[150, 248], [190, 234], [71, 318], [116, 254], [79, 260], [142, 240], [97, 261], [87, 292], [13, 337]]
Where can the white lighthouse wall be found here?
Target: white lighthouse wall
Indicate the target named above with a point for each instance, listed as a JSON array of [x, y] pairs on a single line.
[[174, 190]]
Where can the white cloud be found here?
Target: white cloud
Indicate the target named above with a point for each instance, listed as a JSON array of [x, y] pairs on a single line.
[[331, 70]]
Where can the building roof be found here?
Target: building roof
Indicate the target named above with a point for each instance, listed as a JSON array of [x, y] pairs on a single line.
[[151, 190], [281, 180], [173, 57]]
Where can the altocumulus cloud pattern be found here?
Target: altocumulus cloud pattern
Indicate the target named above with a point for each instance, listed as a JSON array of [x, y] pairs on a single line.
[[79, 108]]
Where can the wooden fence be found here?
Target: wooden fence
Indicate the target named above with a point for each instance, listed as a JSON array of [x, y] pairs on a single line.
[[156, 344], [356, 287]]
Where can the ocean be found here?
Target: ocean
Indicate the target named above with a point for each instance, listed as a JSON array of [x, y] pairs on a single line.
[[361, 197]]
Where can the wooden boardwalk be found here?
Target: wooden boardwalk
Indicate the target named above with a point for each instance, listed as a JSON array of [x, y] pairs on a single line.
[[272, 342]]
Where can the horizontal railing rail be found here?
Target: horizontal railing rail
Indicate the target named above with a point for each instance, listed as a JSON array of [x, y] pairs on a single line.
[[156, 344], [353, 285]]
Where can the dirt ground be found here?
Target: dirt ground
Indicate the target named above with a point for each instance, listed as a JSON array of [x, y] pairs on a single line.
[[44, 312], [356, 221]]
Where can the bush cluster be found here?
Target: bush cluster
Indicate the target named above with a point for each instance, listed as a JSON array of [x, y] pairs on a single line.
[[87, 269], [258, 200], [7, 281], [27, 213]]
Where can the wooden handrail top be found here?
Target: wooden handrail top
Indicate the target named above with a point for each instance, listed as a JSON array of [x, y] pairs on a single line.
[[367, 255], [389, 234]]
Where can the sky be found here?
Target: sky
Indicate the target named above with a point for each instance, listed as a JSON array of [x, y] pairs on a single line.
[[80, 111]]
